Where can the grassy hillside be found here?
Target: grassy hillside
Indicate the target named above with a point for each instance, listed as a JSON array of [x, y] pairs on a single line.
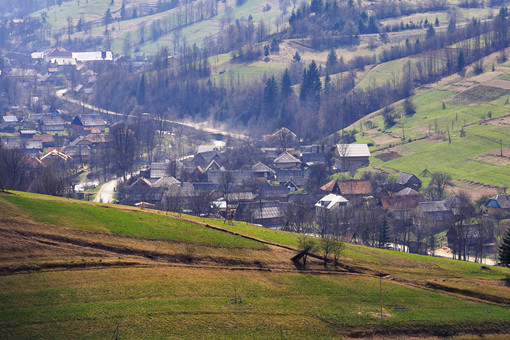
[[461, 137], [72, 269]]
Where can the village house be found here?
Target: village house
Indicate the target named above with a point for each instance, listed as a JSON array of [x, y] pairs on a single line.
[[434, 215], [81, 153], [283, 138], [47, 140], [405, 180], [330, 202], [351, 156], [499, 206], [84, 124], [32, 147], [52, 123], [350, 189], [286, 161], [267, 214], [261, 170], [298, 177], [8, 123]]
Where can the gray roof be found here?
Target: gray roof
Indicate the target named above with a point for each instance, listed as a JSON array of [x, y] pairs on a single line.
[[407, 191], [90, 120], [33, 144], [52, 120], [77, 150], [165, 182], [261, 167], [404, 177], [354, 150], [10, 119], [433, 206], [286, 158], [159, 169]]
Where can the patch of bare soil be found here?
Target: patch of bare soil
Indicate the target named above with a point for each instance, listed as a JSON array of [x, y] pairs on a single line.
[[474, 189], [382, 138], [468, 292], [479, 94], [427, 330], [388, 156], [381, 316], [494, 158], [500, 121], [436, 136], [502, 84]]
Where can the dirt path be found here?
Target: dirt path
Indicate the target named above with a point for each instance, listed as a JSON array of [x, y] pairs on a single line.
[[107, 191]]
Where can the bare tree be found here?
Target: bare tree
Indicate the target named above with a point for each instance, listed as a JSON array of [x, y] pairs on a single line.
[[439, 181], [124, 145], [15, 169], [227, 186]]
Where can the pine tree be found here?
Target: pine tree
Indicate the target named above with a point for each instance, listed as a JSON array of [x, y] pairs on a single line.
[[431, 32], [461, 61], [270, 93], [140, 96], [286, 84], [384, 234], [332, 62], [504, 250], [327, 84]]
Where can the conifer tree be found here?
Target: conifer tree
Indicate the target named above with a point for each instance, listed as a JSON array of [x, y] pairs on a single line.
[[286, 84], [504, 250], [384, 234]]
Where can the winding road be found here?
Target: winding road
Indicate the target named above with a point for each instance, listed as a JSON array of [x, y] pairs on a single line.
[[197, 126]]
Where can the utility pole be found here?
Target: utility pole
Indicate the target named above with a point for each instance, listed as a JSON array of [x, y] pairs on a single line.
[[380, 293], [501, 148]]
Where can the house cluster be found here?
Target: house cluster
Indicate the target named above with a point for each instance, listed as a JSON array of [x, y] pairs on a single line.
[[260, 190], [53, 136]]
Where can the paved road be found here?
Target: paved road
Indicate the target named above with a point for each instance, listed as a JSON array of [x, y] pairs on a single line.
[[197, 126]]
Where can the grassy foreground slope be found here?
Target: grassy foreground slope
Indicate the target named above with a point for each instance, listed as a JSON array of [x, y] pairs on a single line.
[[73, 269]]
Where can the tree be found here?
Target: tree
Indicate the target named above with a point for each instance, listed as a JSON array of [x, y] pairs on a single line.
[[504, 250], [384, 234], [140, 95], [409, 107], [227, 183], [270, 94], [332, 62], [124, 145], [431, 32], [107, 17], [311, 85], [316, 6], [438, 183], [307, 245], [461, 61], [15, 170], [286, 84]]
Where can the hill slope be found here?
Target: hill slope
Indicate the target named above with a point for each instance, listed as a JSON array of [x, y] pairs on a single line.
[[464, 137], [70, 269]]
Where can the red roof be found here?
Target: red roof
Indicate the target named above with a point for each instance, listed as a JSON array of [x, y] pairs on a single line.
[[398, 202], [44, 138], [349, 187]]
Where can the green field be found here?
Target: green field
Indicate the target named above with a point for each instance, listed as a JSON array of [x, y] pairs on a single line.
[[126, 223], [466, 132], [92, 292]]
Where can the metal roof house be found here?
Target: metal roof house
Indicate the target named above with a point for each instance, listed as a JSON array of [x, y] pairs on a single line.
[[351, 156], [498, 206]]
